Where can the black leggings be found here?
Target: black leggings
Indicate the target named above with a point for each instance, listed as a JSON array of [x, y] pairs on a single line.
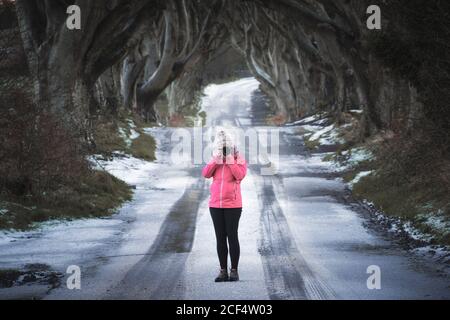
[[226, 222]]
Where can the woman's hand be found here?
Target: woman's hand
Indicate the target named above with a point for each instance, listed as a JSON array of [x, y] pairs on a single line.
[[217, 156], [229, 159]]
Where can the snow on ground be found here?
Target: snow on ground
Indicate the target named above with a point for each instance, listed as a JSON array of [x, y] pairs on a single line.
[[314, 118], [55, 243], [133, 134], [318, 134], [317, 130], [440, 254], [349, 160], [437, 221], [358, 155], [358, 178], [310, 129]]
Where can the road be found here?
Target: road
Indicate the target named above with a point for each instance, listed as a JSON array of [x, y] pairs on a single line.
[[301, 237]]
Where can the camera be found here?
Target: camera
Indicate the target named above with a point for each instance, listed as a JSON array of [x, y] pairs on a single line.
[[226, 151]]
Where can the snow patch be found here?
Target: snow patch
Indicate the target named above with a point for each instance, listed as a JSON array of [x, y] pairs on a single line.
[[54, 239], [358, 178], [320, 133], [134, 134], [353, 157], [129, 137], [326, 136], [359, 155], [317, 119], [436, 221]]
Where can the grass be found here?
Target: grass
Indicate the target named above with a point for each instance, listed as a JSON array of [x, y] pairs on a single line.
[[92, 193], [388, 190], [350, 175], [406, 202], [108, 138], [96, 194], [391, 198], [407, 199], [144, 147], [329, 157], [311, 144]]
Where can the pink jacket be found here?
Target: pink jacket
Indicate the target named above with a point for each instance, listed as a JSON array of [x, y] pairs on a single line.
[[226, 186]]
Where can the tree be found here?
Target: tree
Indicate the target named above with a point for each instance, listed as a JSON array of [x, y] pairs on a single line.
[[180, 36], [66, 63]]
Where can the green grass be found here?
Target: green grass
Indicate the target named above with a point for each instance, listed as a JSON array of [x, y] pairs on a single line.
[[109, 140], [311, 144], [144, 147], [392, 199], [351, 174], [398, 198], [329, 157]]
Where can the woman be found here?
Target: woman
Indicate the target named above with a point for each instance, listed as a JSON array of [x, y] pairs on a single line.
[[228, 169]]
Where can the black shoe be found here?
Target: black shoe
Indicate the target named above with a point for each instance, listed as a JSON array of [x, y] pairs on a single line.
[[234, 276], [223, 276]]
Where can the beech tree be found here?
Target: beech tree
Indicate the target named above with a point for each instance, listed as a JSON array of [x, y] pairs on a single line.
[[179, 37], [307, 55], [66, 63]]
